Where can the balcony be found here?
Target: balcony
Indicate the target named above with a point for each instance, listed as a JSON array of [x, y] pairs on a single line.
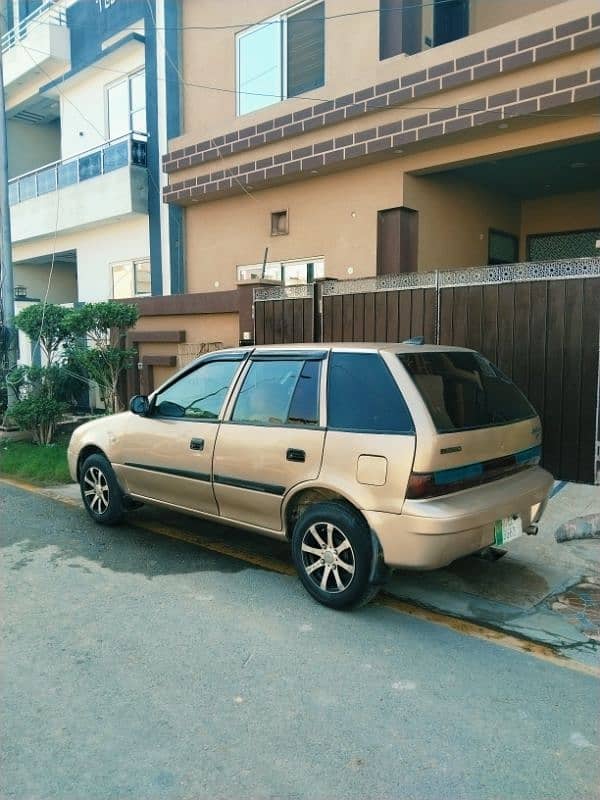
[[92, 188], [46, 45]]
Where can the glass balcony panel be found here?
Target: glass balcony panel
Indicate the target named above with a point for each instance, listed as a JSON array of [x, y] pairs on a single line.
[[90, 166], [13, 193], [67, 174], [116, 156], [27, 188], [46, 181]]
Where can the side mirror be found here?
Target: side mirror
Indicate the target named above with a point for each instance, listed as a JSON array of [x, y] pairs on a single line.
[[139, 405]]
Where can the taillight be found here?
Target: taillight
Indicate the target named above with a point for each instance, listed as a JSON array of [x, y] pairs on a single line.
[[444, 481], [420, 484]]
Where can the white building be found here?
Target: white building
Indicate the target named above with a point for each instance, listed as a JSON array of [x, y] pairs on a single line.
[[91, 98]]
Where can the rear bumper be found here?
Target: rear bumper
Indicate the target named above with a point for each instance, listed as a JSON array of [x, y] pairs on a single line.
[[432, 533]]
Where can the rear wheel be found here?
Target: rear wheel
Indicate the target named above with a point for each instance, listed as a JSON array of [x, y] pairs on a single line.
[[332, 551], [100, 491]]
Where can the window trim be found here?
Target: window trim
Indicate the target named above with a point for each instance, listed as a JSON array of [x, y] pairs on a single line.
[[129, 262], [282, 17], [124, 78]]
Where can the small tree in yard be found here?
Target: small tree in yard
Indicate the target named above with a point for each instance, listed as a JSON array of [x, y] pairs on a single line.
[[40, 390], [104, 325], [47, 324]]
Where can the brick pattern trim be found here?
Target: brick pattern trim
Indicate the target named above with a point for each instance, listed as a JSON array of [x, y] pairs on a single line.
[[569, 37], [384, 140]]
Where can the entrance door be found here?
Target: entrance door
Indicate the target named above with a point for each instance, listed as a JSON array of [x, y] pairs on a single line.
[[272, 440], [167, 455]]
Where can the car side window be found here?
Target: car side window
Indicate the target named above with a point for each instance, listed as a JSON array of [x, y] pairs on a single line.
[[199, 394], [279, 392], [362, 396]]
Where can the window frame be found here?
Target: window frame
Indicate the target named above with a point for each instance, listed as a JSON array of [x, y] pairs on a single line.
[[131, 264], [281, 355], [282, 18], [125, 79], [238, 357]]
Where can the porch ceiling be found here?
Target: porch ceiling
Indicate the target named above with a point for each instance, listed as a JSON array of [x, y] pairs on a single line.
[[574, 168]]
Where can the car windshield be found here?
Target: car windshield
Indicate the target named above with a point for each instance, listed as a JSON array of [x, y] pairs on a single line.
[[463, 390]]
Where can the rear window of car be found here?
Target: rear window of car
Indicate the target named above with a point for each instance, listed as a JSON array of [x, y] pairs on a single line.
[[363, 397], [464, 391]]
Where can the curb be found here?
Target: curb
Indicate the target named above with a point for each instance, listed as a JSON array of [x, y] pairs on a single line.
[[587, 527]]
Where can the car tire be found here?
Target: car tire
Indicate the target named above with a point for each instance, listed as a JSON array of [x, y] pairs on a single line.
[[333, 553], [100, 491]]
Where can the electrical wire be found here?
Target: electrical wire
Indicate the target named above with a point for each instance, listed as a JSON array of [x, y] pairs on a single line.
[[298, 98]]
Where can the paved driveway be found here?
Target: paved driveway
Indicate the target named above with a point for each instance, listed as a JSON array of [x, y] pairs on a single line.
[[136, 666]]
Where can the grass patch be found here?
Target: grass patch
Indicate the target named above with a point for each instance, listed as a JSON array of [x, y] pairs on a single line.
[[43, 464]]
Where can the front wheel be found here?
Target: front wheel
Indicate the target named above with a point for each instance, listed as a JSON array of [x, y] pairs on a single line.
[[100, 492], [332, 551]]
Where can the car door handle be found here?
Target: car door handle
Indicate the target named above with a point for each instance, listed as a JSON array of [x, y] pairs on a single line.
[[295, 455], [197, 444]]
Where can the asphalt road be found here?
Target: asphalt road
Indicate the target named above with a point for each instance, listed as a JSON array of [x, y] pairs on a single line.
[[136, 666]]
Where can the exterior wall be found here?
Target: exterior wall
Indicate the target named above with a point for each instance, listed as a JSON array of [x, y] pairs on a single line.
[[454, 219], [31, 146], [96, 249], [341, 226], [561, 212], [84, 123], [63, 286], [488, 14], [215, 62], [97, 202], [199, 328]]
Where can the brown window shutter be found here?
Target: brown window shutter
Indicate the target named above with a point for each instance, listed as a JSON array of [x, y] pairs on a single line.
[[306, 50]]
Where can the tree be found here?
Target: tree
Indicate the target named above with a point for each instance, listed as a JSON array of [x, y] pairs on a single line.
[[104, 326], [47, 324]]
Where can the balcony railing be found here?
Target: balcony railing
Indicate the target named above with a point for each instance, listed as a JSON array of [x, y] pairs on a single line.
[[53, 12], [118, 153]]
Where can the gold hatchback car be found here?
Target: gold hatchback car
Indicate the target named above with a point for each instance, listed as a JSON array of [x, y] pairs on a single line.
[[365, 456]]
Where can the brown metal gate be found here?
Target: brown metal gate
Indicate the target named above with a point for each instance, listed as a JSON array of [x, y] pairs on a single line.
[[539, 322]]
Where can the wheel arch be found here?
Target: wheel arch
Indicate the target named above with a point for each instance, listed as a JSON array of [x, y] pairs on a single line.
[[306, 496], [88, 450]]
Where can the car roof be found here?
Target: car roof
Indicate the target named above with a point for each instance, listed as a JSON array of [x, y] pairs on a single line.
[[392, 347]]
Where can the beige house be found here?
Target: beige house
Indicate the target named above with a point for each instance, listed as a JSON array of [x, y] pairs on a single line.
[[362, 137], [353, 138]]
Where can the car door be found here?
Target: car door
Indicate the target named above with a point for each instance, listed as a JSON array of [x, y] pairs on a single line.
[[167, 455], [271, 439]]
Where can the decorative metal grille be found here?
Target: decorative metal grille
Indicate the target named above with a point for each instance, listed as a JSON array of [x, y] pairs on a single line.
[[550, 246], [284, 292], [476, 276], [381, 283], [518, 273]]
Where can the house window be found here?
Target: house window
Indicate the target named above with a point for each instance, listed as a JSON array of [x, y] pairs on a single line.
[[281, 57], [503, 248], [126, 106], [291, 273], [279, 223], [131, 278], [409, 26]]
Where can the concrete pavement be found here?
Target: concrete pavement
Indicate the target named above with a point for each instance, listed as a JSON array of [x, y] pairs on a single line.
[[139, 666], [518, 594]]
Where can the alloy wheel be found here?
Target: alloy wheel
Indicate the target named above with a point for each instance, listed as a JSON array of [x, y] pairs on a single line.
[[328, 557], [96, 491]]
